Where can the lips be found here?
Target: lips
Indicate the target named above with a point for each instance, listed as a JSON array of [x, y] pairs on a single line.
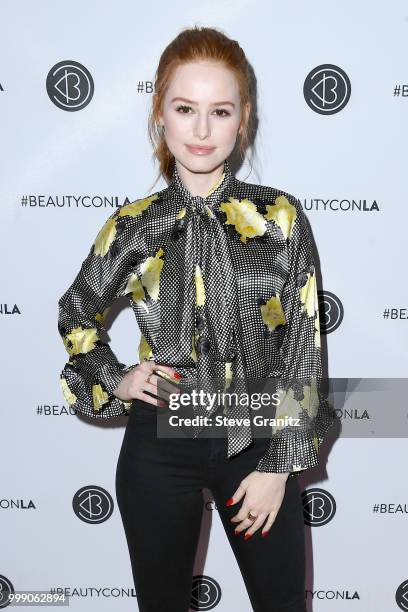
[[200, 150]]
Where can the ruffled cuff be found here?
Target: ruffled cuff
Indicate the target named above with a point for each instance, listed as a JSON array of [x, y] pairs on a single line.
[[290, 451], [93, 397]]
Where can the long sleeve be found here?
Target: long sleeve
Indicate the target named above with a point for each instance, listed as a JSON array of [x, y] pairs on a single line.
[[92, 372], [294, 448]]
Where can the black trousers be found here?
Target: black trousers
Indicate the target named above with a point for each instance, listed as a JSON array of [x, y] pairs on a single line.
[[159, 484]]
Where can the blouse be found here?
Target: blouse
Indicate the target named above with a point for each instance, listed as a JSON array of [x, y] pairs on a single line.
[[223, 287]]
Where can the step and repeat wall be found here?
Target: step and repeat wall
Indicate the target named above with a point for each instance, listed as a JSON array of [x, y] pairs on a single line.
[[332, 104]]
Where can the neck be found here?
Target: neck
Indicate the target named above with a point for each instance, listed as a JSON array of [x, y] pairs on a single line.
[[199, 183]]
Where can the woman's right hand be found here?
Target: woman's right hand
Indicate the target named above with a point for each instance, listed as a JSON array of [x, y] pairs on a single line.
[[143, 378]]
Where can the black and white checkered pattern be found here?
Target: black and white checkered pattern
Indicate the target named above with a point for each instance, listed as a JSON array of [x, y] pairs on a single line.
[[221, 284]]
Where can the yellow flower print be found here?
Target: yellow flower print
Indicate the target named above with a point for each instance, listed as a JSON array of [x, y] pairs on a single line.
[[105, 237], [80, 340], [288, 406], [99, 397], [310, 401], [150, 270], [245, 216], [228, 374], [181, 213], [101, 316], [70, 397], [199, 286], [107, 233], [135, 287], [316, 441], [283, 213], [127, 405], [308, 295], [272, 313], [145, 350], [137, 207]]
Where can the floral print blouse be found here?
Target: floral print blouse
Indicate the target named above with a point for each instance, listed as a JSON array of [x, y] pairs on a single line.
[[222, 287]]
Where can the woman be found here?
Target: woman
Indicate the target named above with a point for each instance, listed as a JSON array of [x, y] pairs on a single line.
[[220, 275]]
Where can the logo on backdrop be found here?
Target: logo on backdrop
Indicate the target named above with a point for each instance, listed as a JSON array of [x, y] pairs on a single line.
[[319, 507], [93, 504], [401, 595], [5, 588], [205, 594], [70, 85], [327, 89], [331, 311]]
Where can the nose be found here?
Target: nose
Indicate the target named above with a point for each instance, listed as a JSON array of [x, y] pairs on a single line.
[[202, 127]]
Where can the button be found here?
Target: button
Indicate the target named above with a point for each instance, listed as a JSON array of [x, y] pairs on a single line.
[[203, 346], [200, 323], [301, 279], [178, 228]]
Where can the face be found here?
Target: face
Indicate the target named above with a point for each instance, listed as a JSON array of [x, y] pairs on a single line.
[[201, 114]]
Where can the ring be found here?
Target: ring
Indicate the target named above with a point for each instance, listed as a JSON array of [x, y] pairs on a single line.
[[252, 517]]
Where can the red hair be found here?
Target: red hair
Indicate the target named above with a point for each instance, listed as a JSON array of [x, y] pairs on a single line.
[[192, 44]]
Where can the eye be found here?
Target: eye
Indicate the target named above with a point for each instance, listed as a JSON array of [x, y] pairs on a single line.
[[183, 106], [222, 110]]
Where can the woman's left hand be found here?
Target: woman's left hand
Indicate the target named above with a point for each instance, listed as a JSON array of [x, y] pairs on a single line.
[[264, 492]]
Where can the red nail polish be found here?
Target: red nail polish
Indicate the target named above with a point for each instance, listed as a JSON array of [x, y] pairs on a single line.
[[177, 375], [236, 532], [247, 536], [264, 533], [230, 501]]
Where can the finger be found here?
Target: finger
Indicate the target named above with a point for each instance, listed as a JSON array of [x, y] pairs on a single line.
[[171, 373], [149, 399], [239, 493], [245, 524], [255, 525], [269, 523], [160, 387], [150, 387]]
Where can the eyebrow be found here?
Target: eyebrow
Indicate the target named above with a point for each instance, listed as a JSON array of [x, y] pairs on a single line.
[[214, 103]]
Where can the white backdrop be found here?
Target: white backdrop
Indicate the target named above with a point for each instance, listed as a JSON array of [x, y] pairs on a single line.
[[60, 170]]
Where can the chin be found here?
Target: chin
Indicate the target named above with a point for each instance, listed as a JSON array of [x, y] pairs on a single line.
[[207, 163]]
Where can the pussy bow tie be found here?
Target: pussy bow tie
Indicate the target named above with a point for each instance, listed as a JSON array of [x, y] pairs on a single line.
[[200, 325]]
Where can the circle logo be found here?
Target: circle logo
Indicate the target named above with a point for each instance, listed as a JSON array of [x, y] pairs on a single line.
[[70, 85], [5, 588], [92, 504], [331, 311], [401, 595], [319, 507], [205, 593], [327, 89]]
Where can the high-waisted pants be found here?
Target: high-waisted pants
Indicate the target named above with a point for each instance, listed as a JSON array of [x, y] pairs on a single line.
[[159, 484]]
